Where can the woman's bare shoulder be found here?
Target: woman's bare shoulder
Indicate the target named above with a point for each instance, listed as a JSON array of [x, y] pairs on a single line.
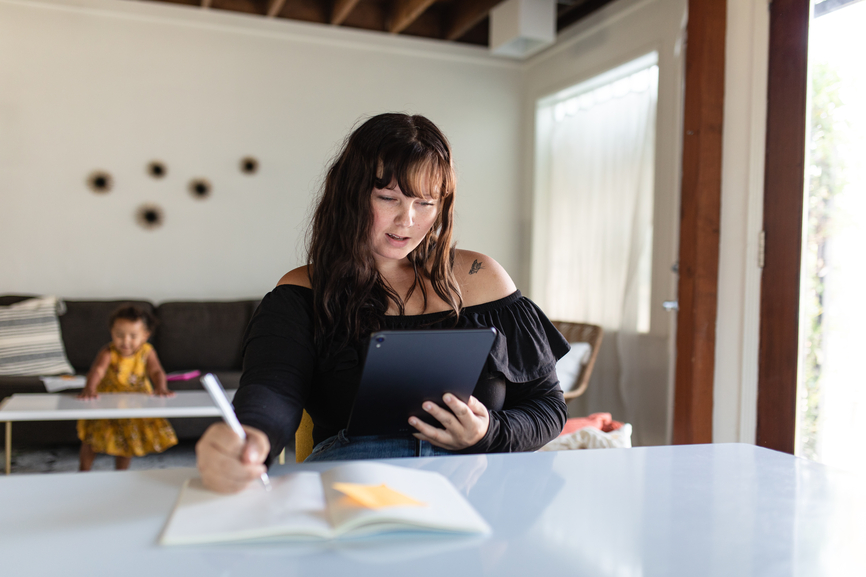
[[299, 276], [481, 278]]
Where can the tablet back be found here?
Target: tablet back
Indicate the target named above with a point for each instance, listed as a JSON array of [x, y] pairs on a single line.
[[405, 368]]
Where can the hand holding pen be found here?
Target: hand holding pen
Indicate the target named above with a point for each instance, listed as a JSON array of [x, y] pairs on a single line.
[[219, 449]]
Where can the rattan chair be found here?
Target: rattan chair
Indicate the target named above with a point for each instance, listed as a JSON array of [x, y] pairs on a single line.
[[581, 333]]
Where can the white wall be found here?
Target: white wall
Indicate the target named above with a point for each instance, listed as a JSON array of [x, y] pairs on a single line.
[[112, 84]]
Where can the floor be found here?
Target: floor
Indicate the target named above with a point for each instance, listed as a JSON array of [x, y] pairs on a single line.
[[64, 459]]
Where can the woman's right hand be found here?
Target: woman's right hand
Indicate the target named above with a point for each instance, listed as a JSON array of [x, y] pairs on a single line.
[[226, 463], [88, 393]]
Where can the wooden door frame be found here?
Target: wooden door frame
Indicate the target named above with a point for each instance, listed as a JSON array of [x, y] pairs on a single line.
[[784, 175], [700, 221]]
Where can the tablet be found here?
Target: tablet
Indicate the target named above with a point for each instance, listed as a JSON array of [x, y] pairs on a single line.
[[405, 368]]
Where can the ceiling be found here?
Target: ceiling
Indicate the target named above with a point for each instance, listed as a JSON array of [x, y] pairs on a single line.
[[464, 21]]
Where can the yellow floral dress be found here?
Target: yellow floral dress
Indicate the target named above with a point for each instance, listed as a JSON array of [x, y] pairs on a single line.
[[127, 437]]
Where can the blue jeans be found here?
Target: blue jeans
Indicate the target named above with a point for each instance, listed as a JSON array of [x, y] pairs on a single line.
[[342, 447]]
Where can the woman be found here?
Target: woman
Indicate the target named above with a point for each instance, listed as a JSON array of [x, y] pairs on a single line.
[[380, 257]]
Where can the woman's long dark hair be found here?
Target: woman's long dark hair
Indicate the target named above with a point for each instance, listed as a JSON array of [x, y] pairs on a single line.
[[350, 298]]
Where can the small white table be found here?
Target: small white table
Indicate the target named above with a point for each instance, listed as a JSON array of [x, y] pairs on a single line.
[[66, 407]]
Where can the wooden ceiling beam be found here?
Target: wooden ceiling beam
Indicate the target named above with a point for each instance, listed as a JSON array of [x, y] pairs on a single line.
[[568, 15], [341, 10], [467, 14], [406, 12], [275, 7]]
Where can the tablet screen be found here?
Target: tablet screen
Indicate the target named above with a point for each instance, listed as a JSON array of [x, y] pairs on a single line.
[[403, 369]]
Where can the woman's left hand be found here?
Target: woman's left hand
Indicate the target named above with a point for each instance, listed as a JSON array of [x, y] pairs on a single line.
[[463, 426], [159, 392]]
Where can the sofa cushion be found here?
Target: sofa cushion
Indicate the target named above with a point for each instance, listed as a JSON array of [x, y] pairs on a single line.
[[30, 341], [85, 328], [201, 335]]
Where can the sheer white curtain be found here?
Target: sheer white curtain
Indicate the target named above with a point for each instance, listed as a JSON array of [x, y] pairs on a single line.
[[601, 166]]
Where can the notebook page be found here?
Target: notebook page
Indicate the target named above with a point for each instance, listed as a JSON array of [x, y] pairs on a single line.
[[443, 509], [295, 506]]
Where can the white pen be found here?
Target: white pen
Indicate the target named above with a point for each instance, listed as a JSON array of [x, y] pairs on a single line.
[[213, 386]]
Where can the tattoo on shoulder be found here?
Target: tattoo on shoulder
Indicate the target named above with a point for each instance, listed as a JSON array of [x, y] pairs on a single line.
[[476, 266]]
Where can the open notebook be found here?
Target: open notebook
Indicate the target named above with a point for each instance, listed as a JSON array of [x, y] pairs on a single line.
[[358, 498]]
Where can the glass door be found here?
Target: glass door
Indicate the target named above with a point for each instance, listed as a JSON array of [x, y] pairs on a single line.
[[831, 404]]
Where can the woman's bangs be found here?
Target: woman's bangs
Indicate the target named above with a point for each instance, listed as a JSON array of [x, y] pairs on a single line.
[[424, 178]]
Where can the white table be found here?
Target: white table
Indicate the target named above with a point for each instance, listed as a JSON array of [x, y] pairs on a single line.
[[66, 407], [705, 510]]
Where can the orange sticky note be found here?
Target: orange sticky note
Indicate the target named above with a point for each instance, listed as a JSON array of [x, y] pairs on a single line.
[[376, 496]]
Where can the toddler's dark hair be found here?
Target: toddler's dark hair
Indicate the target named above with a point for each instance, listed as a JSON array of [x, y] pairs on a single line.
[[133, 313]]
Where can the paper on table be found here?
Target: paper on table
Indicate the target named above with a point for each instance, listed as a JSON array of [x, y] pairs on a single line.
[[445, 508], [306, 505], [63, 382], [376, 496], [294, 506]]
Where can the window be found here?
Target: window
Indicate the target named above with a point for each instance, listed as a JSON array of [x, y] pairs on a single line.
[[596, 157]]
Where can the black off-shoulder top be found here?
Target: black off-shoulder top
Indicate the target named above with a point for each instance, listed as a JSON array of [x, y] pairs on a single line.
[[283, 373]]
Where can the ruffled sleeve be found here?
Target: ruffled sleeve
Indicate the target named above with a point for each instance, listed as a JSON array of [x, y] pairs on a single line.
[[527, 345], [523, 362]]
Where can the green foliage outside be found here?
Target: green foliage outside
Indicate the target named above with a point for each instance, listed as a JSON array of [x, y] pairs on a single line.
[[826, 181]]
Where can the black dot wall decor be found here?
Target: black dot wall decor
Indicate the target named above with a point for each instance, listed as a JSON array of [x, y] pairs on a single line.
[[149, 216], [157, 169], [200, 188], [99, 181], [249, 165]]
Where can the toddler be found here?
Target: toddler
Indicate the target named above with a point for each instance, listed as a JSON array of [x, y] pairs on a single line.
[[128, 364]]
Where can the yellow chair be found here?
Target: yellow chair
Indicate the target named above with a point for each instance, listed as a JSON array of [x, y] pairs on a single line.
[[304, 438]]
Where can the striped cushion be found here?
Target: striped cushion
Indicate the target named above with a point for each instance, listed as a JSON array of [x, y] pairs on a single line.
[[30, 342]]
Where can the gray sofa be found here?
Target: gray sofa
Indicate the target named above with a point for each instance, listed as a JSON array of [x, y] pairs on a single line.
[[207, 336]]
